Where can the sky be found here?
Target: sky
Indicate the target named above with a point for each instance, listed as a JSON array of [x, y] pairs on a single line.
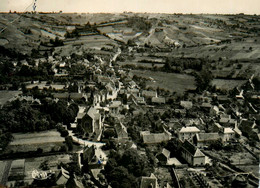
[[157, 6]]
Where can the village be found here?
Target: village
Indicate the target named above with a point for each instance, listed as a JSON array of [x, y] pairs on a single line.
[[97, 124]]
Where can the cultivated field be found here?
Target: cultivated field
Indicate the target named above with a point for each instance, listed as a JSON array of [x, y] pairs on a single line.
[[46, 140], [170, 81]]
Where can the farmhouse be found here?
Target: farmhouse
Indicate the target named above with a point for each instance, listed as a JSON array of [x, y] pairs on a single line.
[[192, 154], [228, 134], [187, 133], [205, 139]]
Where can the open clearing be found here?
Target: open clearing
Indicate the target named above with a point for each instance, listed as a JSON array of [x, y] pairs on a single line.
[[7, 95], [47, 140], [227, 84], [170, 81]]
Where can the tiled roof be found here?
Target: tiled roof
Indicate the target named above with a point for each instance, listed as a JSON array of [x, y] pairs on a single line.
[[93, 113], [158, 100], [166, 152], [228, 131], [149, 93], [207, 136], [154, 138], [189, 129], [195, 152], [186, 104]]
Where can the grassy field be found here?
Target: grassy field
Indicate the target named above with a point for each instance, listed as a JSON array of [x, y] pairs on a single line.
[[47, 140], [227, 84], [170, 81], [7, 95]]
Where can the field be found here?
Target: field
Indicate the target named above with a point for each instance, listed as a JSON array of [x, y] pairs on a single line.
[[47, 140], [227, 84], [251, 168], [170, 81], [7, 95]]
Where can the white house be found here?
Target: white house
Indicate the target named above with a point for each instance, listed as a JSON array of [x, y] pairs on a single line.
[[187, 133]]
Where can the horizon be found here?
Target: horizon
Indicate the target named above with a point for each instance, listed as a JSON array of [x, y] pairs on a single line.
[[125, 12], [249, 7]]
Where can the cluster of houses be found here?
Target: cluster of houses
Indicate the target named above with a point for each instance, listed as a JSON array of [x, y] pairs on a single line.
[[111, 92]]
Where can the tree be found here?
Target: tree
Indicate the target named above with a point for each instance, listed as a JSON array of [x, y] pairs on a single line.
[[120, 177], [203, 79], [69, 142]]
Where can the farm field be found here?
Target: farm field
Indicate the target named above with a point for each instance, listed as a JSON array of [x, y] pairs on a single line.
[[46, 140], [136, 63], [227, 84], [170, 81]]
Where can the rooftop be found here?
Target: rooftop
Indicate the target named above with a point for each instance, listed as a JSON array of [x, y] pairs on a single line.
[[195, 152], [189, 129]]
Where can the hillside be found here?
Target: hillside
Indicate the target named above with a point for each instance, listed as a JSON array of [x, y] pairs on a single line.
[[213, 36]]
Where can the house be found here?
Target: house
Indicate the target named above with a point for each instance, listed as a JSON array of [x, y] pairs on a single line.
[[228, 134], [73, 96], [186, 104], [133, 90], [217, 127], [174, 124], [115, 107], [148, 182], [205, 139], [187, 133], [214, 111], [78, 96], [103, 79], [226, 120], [158, 100], [223, 99], [192, 154], [62, 177], [111, 91], [121, 132], [149, 94], [155, 138], [247, 123], [81, 113], [136, 99], [160, 111], [206, 106], [93, 157], [163, 156]]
